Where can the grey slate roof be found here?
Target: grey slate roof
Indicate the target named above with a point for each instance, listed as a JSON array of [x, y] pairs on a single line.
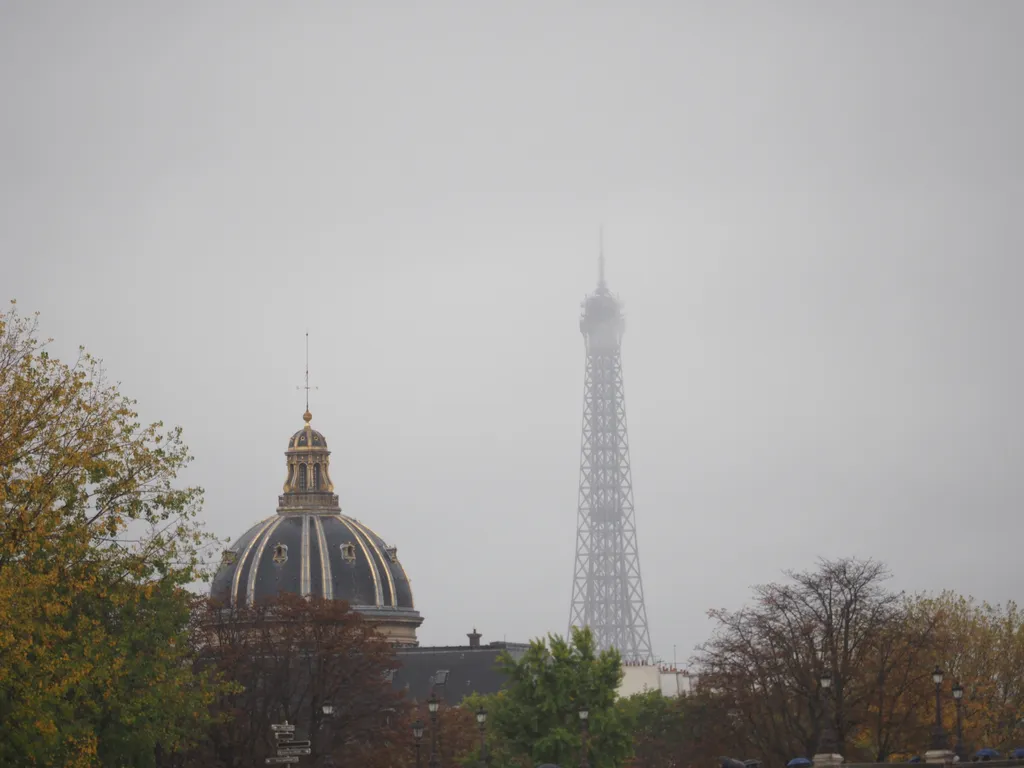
[[453, 672]]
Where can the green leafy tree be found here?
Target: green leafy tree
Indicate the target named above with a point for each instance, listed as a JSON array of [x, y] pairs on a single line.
[[97, 543], [658, 727], [500, 750], [683, 731], [538, 714]]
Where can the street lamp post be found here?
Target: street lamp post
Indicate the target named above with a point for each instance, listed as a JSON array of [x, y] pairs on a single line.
[[417, 735], [827, 741], [481, 721], [958, 695], [432, 705], [939, 740], [584, 738], [328, 709]]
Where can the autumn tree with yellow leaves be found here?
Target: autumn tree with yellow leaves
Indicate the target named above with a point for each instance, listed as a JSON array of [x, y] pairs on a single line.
[[97, 543], [981, 646]]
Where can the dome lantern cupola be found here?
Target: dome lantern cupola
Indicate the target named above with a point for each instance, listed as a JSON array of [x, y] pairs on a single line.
[[308, 486]]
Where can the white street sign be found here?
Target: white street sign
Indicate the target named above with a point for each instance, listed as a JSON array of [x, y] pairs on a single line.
[[282, 727], [293, 751], [281, 760]]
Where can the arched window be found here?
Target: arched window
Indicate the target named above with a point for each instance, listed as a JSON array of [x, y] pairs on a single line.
[[316, 477], [302, 477]]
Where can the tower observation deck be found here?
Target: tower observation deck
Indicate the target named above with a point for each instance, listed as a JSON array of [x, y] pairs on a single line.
[[607, 592]]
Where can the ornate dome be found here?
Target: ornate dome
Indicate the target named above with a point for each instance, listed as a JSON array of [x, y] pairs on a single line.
[[310, 548], [307, 437]]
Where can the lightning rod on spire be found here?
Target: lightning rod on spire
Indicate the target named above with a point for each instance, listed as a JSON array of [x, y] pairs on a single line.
[[306, 416], [600, 258]]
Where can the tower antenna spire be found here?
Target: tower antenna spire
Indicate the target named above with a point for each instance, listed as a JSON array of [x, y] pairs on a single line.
[[307, 416], [600, 258]]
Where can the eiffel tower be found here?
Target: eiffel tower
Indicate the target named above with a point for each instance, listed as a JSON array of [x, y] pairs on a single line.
[[607, 591]]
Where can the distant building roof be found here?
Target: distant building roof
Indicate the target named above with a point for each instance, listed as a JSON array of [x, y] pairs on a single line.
[[453, 671]]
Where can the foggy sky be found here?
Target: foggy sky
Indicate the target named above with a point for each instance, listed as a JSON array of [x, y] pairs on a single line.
[[812, 211]]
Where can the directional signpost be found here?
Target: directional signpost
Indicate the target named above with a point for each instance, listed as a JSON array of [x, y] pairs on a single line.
[[288, 750], [290, 746]]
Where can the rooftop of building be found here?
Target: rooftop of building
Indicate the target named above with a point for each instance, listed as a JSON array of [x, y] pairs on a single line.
[[453, 671]]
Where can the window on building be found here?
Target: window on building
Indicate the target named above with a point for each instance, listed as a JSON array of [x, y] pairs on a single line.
[[348, 552], [316, 477], [302, 477], [280, 553]]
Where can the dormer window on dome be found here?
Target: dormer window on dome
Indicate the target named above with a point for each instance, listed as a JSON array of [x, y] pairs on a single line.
[[281, 554], [308, 486]]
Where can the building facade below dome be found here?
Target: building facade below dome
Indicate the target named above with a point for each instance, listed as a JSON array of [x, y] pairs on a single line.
[[310, 548]]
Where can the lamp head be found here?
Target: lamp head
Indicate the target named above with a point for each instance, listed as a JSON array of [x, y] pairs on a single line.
[[584, 713], [481, 716], [433, 703], [958, 691], [826, 679], [937, 676], [327, 708], [417, 730]]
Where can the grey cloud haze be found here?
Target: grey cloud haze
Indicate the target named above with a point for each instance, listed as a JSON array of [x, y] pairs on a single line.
[[812, 213]]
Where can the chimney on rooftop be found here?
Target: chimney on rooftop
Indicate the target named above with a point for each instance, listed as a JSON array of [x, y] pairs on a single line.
[[474, 638]]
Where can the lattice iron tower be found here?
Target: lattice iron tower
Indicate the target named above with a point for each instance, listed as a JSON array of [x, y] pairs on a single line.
[[607, 591]]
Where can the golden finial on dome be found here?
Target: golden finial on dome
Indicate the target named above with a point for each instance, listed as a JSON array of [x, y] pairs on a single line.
[[307, 416]]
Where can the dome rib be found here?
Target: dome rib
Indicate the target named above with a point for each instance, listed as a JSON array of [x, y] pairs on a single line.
[[408, 582], [304, 581], [250, 587], [240, 565], [325, 560], [380, 556], [379, 593]]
